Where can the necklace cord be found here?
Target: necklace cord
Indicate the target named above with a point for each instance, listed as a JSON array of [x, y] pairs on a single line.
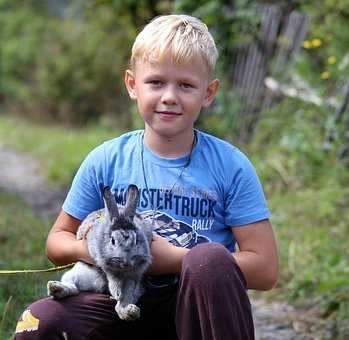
[[178, 178]]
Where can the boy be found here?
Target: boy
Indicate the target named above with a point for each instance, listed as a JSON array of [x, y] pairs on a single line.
[[202, 194]]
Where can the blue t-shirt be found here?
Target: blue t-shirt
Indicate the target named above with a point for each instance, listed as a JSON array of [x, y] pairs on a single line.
[[218, 190]]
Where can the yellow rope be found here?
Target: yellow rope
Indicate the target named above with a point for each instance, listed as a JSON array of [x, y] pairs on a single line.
[[28, 271]]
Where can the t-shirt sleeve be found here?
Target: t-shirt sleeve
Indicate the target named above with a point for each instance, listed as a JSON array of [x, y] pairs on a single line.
[[245, 201], [85, 194]]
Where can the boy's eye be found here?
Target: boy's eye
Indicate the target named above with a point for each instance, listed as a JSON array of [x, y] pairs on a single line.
[[186, 86], [155, 82]]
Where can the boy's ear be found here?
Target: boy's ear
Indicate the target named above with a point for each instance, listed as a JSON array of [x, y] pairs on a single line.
[[211, 92], [130, 83]]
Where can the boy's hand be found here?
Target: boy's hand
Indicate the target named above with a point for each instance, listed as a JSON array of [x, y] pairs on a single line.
[[84, 253], [167, 258]]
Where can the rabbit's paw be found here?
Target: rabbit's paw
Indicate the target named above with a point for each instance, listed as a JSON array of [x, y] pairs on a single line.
[[129, 312], [59, 290]]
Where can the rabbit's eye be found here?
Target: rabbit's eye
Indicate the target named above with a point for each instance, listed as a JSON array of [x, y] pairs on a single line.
[[113, 241]]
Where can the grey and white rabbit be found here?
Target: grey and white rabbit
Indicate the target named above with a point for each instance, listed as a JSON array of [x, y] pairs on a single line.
[[118, 240]]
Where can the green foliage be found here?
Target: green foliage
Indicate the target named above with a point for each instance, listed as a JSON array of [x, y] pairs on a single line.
[[313, 246], [69, 69], [21, 32], [308, 195], [326, 46], [232, 23], [311, 228], [135, 13], [220, 118], [341, 321], [297, 156], [81, 75]]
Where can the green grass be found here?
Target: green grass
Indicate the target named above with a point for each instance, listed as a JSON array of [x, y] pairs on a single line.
[[312, 240], [306, 188], [61, 149], [312, 228], [22, 244], [22, 234]]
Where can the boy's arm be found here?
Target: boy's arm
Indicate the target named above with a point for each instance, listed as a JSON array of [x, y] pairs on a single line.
[[166, 258], [257, 257], [62, 247]]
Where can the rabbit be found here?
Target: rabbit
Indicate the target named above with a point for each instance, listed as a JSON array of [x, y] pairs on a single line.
[[118, 240]]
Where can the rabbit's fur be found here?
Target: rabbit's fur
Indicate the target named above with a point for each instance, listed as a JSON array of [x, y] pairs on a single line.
[[119, 242]]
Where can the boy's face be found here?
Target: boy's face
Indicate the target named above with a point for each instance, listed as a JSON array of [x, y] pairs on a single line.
[[170, 96]]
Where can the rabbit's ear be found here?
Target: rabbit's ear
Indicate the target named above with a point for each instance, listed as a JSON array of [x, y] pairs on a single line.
[[131, 201], [110, 204]]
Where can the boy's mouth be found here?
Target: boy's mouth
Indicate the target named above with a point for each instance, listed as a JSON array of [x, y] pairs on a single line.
[[169, 113]]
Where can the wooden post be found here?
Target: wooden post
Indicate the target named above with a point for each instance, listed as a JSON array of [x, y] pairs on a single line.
[[337, 118], [279, 40]]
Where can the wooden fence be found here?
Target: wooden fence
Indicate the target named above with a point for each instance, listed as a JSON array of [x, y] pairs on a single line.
[[279, 40]]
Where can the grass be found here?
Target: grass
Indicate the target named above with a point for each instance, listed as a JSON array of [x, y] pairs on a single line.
[[311, 227], [306, 189], [22, 234], [309, 197], [60, 149], [22, 244]]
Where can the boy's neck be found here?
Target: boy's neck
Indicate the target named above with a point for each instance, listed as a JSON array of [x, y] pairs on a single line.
[[166, 146]]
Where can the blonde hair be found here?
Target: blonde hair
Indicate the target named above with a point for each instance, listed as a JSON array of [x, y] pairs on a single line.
[[183, 36]]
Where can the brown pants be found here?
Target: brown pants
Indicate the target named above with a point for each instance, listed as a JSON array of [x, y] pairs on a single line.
[[209, 303]]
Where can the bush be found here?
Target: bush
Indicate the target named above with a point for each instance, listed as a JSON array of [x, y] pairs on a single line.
[[325, 58], [21, 32], [68, 68], [231, 23], [81, 72]]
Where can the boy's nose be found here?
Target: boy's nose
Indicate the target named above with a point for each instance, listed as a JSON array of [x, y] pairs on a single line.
[[169, 96]]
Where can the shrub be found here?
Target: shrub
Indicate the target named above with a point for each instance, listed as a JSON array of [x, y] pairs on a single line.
[[66, 68], [81, 72], [21, 32]]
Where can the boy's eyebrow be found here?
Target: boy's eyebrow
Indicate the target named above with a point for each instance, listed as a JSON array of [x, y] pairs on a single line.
[[162, 76], [154, 75]]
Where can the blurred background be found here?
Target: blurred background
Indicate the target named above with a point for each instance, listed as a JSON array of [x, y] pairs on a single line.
[[284, 68]]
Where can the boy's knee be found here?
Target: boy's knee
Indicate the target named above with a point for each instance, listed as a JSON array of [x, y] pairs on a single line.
[[210, 263], [39, 321], [205, 258]]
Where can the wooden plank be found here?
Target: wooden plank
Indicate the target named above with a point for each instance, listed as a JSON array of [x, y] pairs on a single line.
[[279, 40]]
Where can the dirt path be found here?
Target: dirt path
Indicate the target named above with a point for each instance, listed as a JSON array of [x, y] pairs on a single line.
[[23, 175]]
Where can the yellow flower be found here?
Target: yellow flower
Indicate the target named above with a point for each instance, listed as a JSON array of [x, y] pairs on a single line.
[[325, 75], [332, 60], [316, 42], [307, 44]]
